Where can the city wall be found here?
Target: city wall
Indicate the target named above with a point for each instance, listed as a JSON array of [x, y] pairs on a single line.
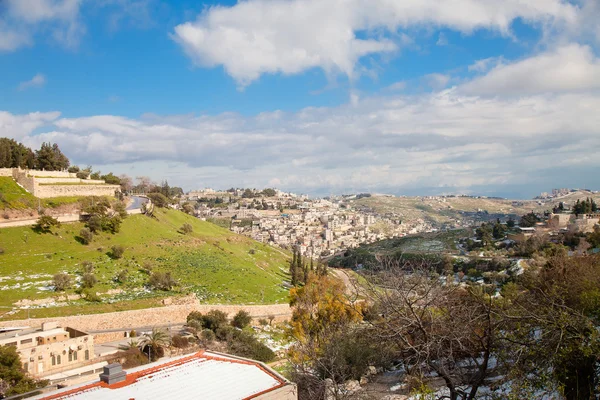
[[6, 171], [47, 191]]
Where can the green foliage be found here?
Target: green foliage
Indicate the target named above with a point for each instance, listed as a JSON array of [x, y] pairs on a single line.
[[529, 220], [14, 155], [111, 179], [86, 235], [13, 380], [213, 320], [269, 192], [244, 344], [189, 208], [50, 158], [117, 251], [61, 282], [241, 319], [45, 223], [159, 199]]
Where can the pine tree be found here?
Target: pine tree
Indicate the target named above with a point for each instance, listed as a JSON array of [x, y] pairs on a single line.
[[293, 273], [306, 271]]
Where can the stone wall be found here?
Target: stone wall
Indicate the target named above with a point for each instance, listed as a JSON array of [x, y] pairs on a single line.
[[6, 171], [47, 191], [70, 181], [20, 175], [51, 174], [127, 320]]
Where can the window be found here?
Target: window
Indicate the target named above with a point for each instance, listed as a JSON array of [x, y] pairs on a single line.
[[58, 359], [53, 360], [70, 356], [75, 355], [26, 341], [87, 354]]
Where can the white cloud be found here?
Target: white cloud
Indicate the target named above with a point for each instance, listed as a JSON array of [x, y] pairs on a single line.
[[437, 81], [397, 86], [255, 37], [444, 140], [38, 80], [572, 67], [442, 40]]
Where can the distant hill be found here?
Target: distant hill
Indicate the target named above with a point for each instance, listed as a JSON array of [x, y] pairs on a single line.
[[216, 264], [444, 209]]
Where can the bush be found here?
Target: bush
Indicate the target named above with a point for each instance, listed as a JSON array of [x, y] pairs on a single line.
[[95, 223], [194, 316], [246, 345], [45, 223], [122, 276], [162, 281], [120, 209], [263, 322], [214, 319], [87, 267], [117, 251], [186, 229], [158, 199], [208, 336], [90, 295], [86, 236], [133, 333], [180, 342], [88, 280], [61, 282], [241, 320]]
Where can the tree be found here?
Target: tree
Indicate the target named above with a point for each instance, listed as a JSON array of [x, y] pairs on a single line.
[[241, 319], [189, 208], [15, 155], [499, 230], [269, 192], [554, 332], [248, 194], [50, 158], [484, 233], [45, 223], [61, 282], [510, 223], [153, 344], [111, 179], [321, 316], [159, 199], [435, 329], [126, 183], [13, 380], [529, 220]]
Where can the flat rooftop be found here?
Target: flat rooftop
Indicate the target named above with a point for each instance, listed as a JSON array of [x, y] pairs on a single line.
[[30, 331], [202, 375]]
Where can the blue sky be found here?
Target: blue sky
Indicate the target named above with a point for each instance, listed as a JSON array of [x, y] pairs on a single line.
[[320, 97]]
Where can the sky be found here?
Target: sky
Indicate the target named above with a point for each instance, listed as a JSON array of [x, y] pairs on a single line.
[[407, 97]]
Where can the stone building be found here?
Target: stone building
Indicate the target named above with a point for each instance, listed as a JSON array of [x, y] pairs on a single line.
[[50, 349]]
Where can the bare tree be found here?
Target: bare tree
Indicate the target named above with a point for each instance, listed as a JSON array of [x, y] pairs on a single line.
[[436, 328]]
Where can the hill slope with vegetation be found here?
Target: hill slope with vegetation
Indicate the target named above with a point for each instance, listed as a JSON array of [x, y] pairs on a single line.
[[199, 257]]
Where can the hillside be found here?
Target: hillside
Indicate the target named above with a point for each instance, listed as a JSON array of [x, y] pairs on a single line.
[[16, 202], [443, 209], [216, 264]]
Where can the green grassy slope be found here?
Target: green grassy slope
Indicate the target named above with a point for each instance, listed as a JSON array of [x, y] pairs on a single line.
[[13, 196], [216, 264]]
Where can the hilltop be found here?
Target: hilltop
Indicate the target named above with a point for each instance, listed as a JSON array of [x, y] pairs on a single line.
[[441, 209], [217, 265]]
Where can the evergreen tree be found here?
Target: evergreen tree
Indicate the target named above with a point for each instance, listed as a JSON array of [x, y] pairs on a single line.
[[50, 158], [293, 273]]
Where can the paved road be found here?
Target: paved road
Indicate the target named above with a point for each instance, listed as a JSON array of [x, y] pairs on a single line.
[[137, 202]]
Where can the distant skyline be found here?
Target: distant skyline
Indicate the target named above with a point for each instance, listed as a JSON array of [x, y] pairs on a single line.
[[312, 96]]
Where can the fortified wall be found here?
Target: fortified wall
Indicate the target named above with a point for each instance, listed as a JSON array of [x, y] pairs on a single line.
[[47, 184]]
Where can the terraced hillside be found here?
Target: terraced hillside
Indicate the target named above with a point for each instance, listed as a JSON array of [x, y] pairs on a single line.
[[216, 264]]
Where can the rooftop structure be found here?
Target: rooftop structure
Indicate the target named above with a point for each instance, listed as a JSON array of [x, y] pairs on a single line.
[[201, 375]]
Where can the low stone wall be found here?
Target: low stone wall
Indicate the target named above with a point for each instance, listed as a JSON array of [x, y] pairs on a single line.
[[127, 320], [70, 181], [48, 191], [51, 174], [5, 171]]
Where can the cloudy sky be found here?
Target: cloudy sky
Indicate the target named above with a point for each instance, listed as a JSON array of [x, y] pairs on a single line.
[[315, 96]]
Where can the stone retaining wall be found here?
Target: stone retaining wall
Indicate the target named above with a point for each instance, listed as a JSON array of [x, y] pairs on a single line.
[[5, 171], [128, 320], [44, 192]]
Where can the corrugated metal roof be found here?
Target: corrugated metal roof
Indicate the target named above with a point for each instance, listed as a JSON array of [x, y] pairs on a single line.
[[200, 376]]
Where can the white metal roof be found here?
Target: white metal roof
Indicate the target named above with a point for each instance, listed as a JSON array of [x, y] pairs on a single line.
[[203, 377]]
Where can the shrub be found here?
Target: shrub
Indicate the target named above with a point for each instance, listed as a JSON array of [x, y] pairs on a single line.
[[61, 281], [246, 345], [214, 319], [117, 251], [180, 342], [120, 209], [186, 229], [90, 295], [122, 276], [133, 333], [86, 236], [88, 280], [162, 281], [208, 336], [95, 223], [45, 223], [194, 316], [263, 322], [241, 320], [87, 267]]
